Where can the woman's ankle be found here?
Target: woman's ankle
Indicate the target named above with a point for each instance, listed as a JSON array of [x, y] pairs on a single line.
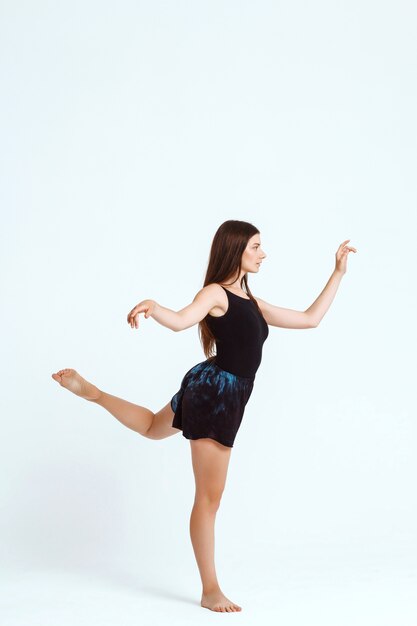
[[209, 589]]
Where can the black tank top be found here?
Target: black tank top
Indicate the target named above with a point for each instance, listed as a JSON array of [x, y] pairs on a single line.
[[240, 334]]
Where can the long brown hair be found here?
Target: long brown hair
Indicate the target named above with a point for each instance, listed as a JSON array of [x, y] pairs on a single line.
[[225, 261]]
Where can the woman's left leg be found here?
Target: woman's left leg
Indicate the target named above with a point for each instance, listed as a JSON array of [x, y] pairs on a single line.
[[210, 461]]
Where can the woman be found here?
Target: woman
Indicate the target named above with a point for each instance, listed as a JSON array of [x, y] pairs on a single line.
[[209, 406]]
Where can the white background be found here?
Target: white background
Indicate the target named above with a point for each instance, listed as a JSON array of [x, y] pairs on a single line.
[[129, 132]]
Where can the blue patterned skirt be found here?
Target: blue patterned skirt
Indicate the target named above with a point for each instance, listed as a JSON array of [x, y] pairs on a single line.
[[210, 403]]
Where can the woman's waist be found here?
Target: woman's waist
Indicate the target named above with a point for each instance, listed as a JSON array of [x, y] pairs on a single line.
[[231, 368]]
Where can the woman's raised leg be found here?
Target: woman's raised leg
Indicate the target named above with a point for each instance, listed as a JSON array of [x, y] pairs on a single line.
[[210, 462], [136, 417]]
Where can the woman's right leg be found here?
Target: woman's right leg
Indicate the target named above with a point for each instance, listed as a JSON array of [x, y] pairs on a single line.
[[133, 416]]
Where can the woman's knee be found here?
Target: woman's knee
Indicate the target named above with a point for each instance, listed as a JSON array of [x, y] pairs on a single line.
[[208, 500], [161, 425]]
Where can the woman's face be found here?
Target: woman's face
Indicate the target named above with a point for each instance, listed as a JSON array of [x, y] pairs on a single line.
[[253, 255]]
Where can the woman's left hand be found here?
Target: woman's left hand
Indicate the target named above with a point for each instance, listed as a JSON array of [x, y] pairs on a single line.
[[341, 256]]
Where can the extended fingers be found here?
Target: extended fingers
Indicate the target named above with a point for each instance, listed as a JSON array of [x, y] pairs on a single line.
[[134, 321], [132, 313], [344, 248], [133, 317]]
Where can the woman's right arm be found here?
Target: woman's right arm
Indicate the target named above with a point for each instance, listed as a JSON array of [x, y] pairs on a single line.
[[207, 298]]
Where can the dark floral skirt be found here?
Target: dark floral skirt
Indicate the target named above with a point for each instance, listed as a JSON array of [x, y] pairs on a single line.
[[211, 402]]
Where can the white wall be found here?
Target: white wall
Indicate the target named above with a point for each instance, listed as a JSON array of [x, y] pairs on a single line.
[[130, 132]]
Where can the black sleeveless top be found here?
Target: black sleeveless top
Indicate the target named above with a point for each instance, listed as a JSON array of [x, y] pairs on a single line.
[[240, 334]]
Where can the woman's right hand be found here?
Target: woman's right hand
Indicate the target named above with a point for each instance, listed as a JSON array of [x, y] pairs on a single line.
[[146, 306]]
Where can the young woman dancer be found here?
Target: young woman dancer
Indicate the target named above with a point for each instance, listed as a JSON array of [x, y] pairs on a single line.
[[209, 405]]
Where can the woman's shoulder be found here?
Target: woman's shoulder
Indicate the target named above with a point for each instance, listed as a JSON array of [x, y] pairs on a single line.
[[213, 294], [216, 297], [214, 288]]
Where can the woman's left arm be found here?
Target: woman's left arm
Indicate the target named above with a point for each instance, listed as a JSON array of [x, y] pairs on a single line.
[[320, 306], [311, 317]]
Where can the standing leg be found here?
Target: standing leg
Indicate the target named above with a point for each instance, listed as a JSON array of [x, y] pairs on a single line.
[[137, 418], [210, 462]]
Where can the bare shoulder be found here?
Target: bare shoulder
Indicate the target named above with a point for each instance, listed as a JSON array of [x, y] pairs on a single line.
[[207, 299], [210, 291], [214, 295]]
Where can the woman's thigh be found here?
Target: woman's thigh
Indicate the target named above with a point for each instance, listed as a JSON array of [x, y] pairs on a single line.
[[210, 461], [161, 426]]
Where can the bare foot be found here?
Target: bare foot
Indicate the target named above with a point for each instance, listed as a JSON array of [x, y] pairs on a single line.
[[217, 601], [70, 379]]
